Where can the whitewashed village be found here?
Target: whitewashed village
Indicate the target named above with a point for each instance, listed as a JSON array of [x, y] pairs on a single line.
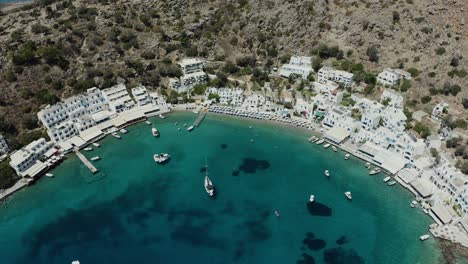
[[371, 130]]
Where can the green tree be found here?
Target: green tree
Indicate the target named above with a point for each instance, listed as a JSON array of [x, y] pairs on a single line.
[[422, 130], [7, 175], [199, 89]]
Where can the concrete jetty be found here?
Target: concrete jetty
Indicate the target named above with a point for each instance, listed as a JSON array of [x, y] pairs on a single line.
[[86, 162], [200, 118]]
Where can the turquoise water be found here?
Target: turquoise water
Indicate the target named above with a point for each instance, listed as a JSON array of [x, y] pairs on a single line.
[[135, 211]]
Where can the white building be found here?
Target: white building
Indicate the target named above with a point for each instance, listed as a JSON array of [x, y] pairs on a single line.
[[330, 91], [118, 98], [370, 120], [227, 96], [394, 118], [26, 160], [340, 117], [193, 74], [158, 99], [254, 102], [328, 73], [141, 96], [410, 147], [395, 98], [439, 110], [299, 65], [3, 145], [191, 65], [392, 77], [305, 108]]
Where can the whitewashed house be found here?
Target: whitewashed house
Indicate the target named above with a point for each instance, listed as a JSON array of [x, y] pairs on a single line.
[[340, 117], [26, 161], [118, 98], [304, 107], [410, 147], [141, 96], [193, 74], [392, 77], [3, 145], [330, 91], [394, 119], [395, 98], [299, 65], [253, 102], [370, 120], [328, 73]]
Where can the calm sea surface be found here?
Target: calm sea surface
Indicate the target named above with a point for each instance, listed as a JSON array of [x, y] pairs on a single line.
[[135, 211]]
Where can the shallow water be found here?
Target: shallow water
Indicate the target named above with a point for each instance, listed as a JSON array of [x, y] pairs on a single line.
[[136, 211]]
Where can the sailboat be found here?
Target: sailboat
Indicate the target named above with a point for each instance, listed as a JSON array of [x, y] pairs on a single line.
[[209, 187]]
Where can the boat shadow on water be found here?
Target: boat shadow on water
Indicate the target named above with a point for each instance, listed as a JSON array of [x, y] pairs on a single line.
[[318, 209]]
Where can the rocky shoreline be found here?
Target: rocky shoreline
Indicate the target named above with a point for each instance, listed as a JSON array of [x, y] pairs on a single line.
[[10, 6]]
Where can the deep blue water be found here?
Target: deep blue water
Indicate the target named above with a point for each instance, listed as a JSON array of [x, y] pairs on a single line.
[[136, 211]]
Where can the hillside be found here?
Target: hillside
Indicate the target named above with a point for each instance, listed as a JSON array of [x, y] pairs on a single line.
[[53, 49]]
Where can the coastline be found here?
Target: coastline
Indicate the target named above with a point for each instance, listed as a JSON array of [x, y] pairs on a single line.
[[12, 6]]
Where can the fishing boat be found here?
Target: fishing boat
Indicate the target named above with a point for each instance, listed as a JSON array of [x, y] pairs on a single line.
[[49, 175], [391, 183], [424, 237], [88, 148], [386, 179], [162, 116], [209, 187], [155, 132], [334, 149], [312, 139], [190, 128], [312, 198], [96, 158], [348, 195], [116, 135], [148, 122], [346, 157], [327, 173], [327, 145], [320, 141], [375, 171], [123, 131], [96, 145], [413, 204], [161, 158], [368, 165]]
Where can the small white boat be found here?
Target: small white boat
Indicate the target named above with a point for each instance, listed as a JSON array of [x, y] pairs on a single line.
[[155, 132], [185, 124], [123, 131], [327, 173], [375, 171], [277, 214], [320, 141], [334, 149], [209, 187], [312, 198], [348, 195], [311, 139], [161, 158], [88, 148], [190, 128], [75, 262], [391, 183], [96, 145], [116, 135], [162, 116], [368, 165], [386, 179], [424, 237], [346, 157], [327, 145], [148, 122], [195, 111], [96, 158], [49, 175], [413, 204]]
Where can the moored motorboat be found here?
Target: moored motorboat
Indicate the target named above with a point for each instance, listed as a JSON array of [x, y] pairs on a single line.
[[320, 141], [88, 148], [413, 204], [276, 213], [386, 179], [348, 195], [312, 139], [375, 171], [162, 116], [424, 237], [327, 145], [161, 158], [116, 135], [96, 145], [96, 158], [334, 149], [312, 198], [49, 175], [155, 132], [123, 131], [346, 157], [368, 165], [391, 183], [190, 128], [327, 173], [148, 122]]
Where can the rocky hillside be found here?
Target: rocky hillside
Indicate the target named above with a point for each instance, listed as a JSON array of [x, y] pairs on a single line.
[[52, 49]]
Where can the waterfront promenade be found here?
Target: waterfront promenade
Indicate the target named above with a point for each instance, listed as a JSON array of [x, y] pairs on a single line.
[[18, 185]]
